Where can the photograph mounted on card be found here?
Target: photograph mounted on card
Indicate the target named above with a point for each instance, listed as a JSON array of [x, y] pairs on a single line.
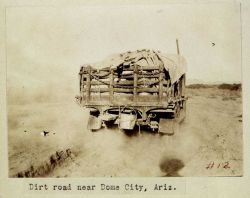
[[124, 91]]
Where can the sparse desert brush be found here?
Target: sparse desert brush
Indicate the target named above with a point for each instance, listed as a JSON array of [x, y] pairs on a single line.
[[199, 86], [232, 87], [226, 98], [227, 86]]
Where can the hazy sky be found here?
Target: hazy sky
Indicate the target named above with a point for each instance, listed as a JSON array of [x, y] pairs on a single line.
[[48, 44]]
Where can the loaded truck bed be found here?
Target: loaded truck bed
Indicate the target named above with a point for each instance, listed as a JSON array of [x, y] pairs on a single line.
[[141, 88]]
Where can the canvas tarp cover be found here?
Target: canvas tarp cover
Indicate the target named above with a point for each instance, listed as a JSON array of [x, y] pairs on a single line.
[[174, 64]]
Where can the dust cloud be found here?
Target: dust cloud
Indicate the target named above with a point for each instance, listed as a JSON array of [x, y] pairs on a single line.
[[211, 132]]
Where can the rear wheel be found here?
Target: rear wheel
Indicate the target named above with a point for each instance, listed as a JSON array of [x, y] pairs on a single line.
[[94, 123], [183, 111], [176, 112]]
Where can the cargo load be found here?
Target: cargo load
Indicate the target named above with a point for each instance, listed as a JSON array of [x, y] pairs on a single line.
[[143, 88]]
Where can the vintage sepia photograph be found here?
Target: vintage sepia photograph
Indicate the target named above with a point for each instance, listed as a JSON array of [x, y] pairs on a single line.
[[124, 91]]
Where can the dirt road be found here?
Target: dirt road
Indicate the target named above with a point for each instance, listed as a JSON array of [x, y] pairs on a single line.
[[207, 143]]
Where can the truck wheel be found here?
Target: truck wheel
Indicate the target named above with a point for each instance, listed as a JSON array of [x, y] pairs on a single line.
[[177, 111], [183, 111], [94, 123]]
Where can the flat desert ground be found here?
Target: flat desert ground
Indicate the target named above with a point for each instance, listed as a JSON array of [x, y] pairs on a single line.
[[207, 143]]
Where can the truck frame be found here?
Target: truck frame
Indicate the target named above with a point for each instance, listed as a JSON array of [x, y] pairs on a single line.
[[143, 88]]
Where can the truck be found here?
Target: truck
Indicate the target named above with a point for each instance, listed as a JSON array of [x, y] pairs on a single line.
[[142, 89]]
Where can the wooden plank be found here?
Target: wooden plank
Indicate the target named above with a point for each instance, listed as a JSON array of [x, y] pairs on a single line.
[[135, 83], [126, 83], [88, 84], [124, 90], [103, 90], [130, 76], [101, 82], [140, 76], [161, 83], [145, 68], [111, 86], [81, 82], [138, 104]]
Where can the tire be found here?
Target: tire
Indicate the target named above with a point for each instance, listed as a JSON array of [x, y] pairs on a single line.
[[177, 111]]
